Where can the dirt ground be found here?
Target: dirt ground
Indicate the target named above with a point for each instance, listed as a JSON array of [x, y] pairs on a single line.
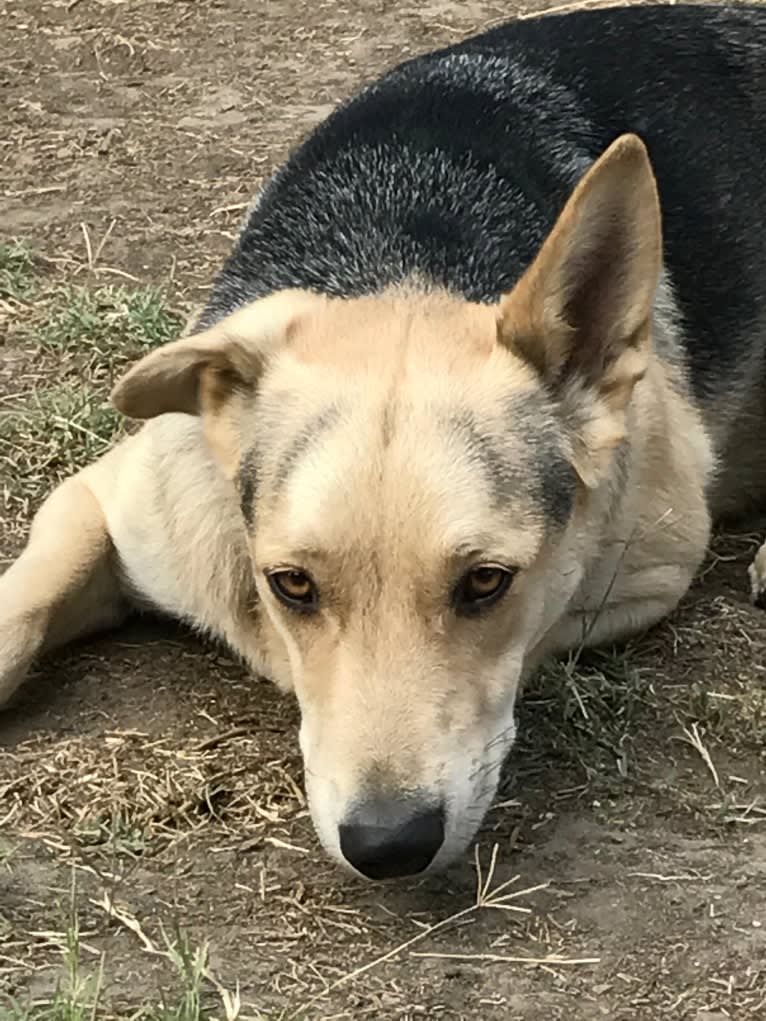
[[165, 781]]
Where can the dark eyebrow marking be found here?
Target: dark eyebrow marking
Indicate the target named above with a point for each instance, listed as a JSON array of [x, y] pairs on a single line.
[[539, 468], [302, 443], [558, 487], [556, 481], [503, 478], [247, 484]]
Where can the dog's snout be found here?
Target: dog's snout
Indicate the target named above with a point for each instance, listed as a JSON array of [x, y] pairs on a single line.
[[390, 839]]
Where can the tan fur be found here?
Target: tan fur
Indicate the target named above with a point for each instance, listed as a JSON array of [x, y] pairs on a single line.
[[393, 503]]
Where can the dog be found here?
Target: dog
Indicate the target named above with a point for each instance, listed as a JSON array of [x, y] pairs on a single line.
[[487, 360]]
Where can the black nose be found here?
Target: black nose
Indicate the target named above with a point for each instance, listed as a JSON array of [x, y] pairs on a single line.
[[389, 839]]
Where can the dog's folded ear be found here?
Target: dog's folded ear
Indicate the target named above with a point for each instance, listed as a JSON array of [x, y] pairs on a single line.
[[581, 314], [214, 373], [197, 373]]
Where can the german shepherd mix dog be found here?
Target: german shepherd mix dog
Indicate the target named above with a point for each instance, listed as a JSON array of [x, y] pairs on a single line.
[[454, 405]]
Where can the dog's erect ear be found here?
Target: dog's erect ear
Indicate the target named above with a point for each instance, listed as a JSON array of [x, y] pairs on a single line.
[[588, 295], [581, 314], [214, 373]]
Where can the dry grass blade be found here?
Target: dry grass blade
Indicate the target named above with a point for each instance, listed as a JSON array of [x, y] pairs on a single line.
[[231, 1001], [88, 246], [129, 921], [486, 897], [552, 960], [694, 738]]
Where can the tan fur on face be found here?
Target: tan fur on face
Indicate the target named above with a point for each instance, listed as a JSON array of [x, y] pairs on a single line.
[[385, 445], [415, 400]]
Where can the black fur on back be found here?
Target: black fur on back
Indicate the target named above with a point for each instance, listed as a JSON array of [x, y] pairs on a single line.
[[453, 167]]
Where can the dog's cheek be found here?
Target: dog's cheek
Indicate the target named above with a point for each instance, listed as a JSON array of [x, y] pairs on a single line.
[[471, 783], [303, 737]]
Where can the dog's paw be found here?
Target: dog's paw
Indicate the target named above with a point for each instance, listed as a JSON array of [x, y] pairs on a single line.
[[757, 572], [20, 644]]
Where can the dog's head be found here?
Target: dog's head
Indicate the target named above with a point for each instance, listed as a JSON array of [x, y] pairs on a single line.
[[415, 474]]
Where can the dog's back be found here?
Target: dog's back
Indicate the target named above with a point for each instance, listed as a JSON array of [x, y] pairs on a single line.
[[453, 167]]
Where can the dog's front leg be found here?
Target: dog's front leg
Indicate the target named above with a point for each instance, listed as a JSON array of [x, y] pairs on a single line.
[[175, 522], [632, 603], [757, 573], [152, 525], [62, 586]]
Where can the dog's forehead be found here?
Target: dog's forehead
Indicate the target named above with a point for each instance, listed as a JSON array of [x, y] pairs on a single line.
[[400, 423], [419, 470], [378, 330]]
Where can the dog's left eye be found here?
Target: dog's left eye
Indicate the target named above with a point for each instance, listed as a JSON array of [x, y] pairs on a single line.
[[295, 589], [480, 588]]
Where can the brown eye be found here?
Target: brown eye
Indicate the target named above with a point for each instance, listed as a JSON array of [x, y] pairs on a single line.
[[480, 588], [295, 589]]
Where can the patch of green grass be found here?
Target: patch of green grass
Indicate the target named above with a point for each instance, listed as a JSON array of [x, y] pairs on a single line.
[[190, 964], [108, 322], [118, 832], [17, 272], [587, 714], [69, 342], [54, 434], [78, 995], [60, 429]]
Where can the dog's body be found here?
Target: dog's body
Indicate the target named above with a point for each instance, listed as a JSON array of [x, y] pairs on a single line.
[[434, 428]]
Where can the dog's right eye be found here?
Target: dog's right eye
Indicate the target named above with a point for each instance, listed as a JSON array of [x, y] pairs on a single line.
[[294, 589], [481, 588]]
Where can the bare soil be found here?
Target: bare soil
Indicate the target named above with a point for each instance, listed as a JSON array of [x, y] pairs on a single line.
[[157, 772]]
